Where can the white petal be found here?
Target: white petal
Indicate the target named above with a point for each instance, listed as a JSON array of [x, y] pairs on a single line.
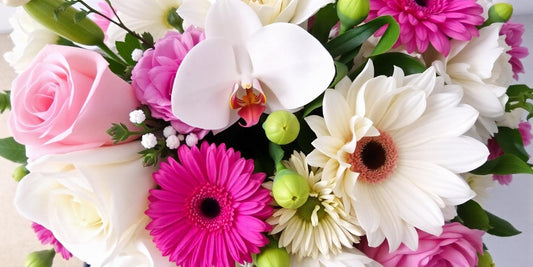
[[194, 12], [424, 81], [485, 98], [232, 20], [436, 180], [337, 115], [203, 84], [343, 86], [291, 63], [328, 145], [458, 154], [437, 124], [448, 96], [307, 8], [317, 159], [317, 125], [406, 108]]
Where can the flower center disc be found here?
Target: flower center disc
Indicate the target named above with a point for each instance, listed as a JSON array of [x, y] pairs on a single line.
[[421, 2], [374, 158], [210, 207]]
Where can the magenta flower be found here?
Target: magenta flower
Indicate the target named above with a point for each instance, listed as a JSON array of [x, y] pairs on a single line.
[[431, 21], [456, 246], [513, 37], [211, 208], [46, 237], [154, 74], [495, 151]]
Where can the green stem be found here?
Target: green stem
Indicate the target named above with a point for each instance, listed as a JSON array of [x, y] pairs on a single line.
[[111, 54]]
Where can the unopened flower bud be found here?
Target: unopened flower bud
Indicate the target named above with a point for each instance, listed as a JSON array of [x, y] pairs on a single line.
[[500, 12], [485, 260], [191, 140], [136, 54], [64, 22], [290, 189], [272, 256], [43, 258], [281, 127], [20, 172], [352, 12], [169, 130], [173, 142], [137, 116]]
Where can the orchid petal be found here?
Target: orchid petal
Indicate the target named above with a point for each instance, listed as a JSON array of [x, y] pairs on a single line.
[[306, 9], [203, 84], [232, 20], [294, 67]]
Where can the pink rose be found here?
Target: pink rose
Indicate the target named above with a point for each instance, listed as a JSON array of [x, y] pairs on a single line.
[[66, 100], [456, 246], [154, 74]]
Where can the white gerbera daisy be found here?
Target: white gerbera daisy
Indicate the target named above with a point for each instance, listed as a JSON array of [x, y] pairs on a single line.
[[481, 67], [142, 16], [320, 226], [394, 146]]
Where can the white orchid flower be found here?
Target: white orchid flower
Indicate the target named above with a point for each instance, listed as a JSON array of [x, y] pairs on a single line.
[[242, 69]]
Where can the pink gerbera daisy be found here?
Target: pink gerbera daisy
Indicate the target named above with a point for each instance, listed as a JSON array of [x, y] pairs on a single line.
[[46, 237], [513, 37], [211, 208], [431, 21]]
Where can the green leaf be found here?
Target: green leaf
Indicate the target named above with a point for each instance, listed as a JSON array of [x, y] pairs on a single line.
[[119, 132], [276, 152], [13, 151], [316, 103], [504, 164], [510, 141], [341, 71], [325, 19], [175, 20], [5, 101], [473, 216], [500, 227], [384, 64], [354, 38], [519, 96], [149, 39], [126, 48]]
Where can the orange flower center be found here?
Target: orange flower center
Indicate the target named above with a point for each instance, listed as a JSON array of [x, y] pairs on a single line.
[[374, 158]]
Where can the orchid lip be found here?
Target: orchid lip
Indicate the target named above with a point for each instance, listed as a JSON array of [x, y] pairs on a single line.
[[250, 100]]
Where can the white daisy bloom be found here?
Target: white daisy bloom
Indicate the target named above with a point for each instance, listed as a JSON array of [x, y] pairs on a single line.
[[394, 146], [319, 227], [142, 16], [28, 37], [349, 257], [481, 67]]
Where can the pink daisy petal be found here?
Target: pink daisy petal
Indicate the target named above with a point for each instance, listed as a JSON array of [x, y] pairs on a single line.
[[513, 37], [456, 19], [211, 208], [46, 237]]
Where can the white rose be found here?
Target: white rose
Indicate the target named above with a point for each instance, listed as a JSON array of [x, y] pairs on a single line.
[[93, 201], [28, 37], [481, 67], [14, 2], [269, 11]]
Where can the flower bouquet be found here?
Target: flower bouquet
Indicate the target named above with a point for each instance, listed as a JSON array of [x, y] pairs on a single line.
[[201, 133]]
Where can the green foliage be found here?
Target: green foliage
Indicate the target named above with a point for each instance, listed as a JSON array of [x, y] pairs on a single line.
[[384, 64], [510, 141], [119, 132], [175, 20], [473, 216], [13, 151], [519, 95], [325, 19], [151, 156], [148, 40], [126, 47], [504, 164], [5, 102]]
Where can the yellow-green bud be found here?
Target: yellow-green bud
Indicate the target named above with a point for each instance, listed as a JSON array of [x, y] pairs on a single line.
[[272, 256], [43, 258], [281, 127], [352, 12], [290, 189], [485, 260], [85, 31], [20, 172], [500, 12]]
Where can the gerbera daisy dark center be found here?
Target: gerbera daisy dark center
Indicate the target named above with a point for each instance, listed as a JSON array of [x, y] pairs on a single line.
[[374, 158], [421, 2], [210, 207]]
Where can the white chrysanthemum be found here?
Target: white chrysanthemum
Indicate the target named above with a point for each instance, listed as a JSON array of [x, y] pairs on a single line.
[[349, 257], [403, 177], [481, 67], [142, 16], [320, 226], [29, 37]]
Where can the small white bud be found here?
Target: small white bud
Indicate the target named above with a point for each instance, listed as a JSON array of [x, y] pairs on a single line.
[[137, 116], [181, 137], [168, 131], [149, 141], [173, 142], [136, 54], [191, 139]]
